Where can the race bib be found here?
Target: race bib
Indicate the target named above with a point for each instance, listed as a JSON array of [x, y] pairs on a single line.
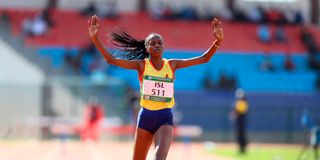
[[157, 89]]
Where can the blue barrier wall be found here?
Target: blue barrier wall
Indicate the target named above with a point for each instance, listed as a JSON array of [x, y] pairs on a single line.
[[268, 112]]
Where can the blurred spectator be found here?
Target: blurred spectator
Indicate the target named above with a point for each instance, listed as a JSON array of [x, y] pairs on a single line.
[[263, 33], [52, 4], [233, 82], [188, 13], [267, 64], [237, 14], [263, 14], [280, 35], [225, 82], [207, 12], [207, 82], [87, 53], [157, 11], [289, 15], [315, 141], [310, 44], [306, 120], [40, 27], [254, 14], [46, 15], [314, 62], [103, 9], [308, 40], [93, 115], [73, 58], [89, 10], [311, 135], [27, 26], [225, 14], [107, 9], [4, 17], [35, 26], [143, 5], [39, 24], [230, 4], [169, 12], [288, 63], [239, 114], [163, 11], [298, 18], [275, 16]]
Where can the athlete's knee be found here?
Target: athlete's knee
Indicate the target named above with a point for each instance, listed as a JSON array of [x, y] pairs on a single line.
[[161, 153], [159, 157]]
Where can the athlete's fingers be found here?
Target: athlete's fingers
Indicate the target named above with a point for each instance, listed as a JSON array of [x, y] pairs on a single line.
[[219, 24], [95, 20], [212, 22], [91, 21], [215, 23]]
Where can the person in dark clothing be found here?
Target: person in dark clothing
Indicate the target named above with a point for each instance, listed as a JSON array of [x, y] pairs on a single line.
[[308, 40], [239, 114], [288, 63], [89, 10], [311, 136]]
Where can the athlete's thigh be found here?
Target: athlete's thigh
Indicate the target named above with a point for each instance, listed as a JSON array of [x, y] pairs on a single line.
[[143, 140]]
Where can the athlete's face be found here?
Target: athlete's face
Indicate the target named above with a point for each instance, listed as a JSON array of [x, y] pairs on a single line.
[[154, 45]]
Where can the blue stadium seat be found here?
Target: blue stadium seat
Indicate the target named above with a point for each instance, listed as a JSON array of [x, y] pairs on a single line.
[[243, 66], [55, 54]]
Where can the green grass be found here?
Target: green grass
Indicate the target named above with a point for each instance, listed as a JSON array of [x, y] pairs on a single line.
[[260, 153]]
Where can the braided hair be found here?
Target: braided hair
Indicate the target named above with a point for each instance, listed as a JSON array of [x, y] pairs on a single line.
[[134, 48]]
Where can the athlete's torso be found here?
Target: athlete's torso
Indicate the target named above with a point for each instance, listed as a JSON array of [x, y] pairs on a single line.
[[157, 86]]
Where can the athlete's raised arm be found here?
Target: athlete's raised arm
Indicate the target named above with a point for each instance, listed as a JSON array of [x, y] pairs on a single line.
[[129, 64], [218, 34]]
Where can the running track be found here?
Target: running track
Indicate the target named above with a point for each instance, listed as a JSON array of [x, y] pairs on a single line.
[[75, 150]]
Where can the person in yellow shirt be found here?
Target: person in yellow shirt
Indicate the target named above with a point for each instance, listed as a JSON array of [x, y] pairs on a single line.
[[239, 114], [156, 75]]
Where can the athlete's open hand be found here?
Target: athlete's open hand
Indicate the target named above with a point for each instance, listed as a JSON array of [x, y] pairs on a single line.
[[93, 26], [217, 29]]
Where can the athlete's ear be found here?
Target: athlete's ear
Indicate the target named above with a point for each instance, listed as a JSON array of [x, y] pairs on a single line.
[[146, 45]]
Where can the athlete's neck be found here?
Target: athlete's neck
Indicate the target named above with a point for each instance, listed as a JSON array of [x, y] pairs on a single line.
[[157, 62]]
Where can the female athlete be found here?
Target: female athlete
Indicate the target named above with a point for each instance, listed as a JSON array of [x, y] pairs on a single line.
[[156, 75]]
